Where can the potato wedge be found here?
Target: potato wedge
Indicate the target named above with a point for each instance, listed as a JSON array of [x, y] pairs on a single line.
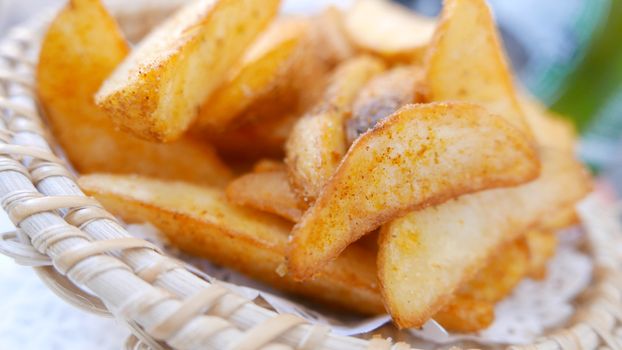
[[421, 155], [447, 244], [382, 96], [563, 217], [266, 62], [317, 142], [542, 245], [254, 139], [388, 30], [472, 306], [503, 271], [267, 191], [156, 91], [466, 62], [549, 130], [200, 221], [464, 314], [81, 47]]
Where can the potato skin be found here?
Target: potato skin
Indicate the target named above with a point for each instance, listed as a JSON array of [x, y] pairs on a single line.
[[421, 155], [155, 93], [81, 47], [200, 221]]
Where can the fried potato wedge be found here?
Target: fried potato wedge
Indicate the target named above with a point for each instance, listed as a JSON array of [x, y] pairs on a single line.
[[81, 47], [200, 221], [542, 245], [445, 245], [317, 142], [382, 96], [266, 62], [472, 307], [421, 155], [267, 191], [464, 314], [454, 72], [564, 217], [388, 30], [156, 91], [254, 139], [549, 130]]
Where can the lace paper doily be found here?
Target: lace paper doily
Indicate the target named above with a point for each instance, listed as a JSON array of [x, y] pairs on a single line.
[[519, 319]]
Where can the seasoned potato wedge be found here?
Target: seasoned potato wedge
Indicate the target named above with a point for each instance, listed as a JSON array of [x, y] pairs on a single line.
[[466, 62], [267, 191], [382, 96], [472, 306], [422, 155], [542, 246], [264, 64], [156, 91], [317, 141], [200, 221], [388, 29], [464, 314], [445, 245], [81, 47]]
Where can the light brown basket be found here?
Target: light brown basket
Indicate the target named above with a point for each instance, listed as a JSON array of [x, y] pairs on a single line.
[[84, 255]]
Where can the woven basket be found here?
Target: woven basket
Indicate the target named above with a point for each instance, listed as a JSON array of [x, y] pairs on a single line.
[[86, 256]]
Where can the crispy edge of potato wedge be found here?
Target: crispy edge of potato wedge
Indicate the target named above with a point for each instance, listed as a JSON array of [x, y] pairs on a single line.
[[419, 156], [317, 142], [388, 30], [382, 96], [81, 47], [156, 91], [445, 245], [267, 191], [268, 60], [455, 73], [200, 221]]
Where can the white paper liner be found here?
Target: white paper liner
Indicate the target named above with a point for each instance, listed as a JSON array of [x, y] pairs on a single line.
[[519, 319]]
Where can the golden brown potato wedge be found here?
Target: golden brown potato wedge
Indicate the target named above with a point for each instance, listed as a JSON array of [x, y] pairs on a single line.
[[388, 30], [466, 62], [464, 314], [542, 245], [503, 271], [81, 47], [549, 130], [254, 139], [200, 221], [445, 245], [317, 142], [267, 191], [382, 96], [156, 91], [421, 155], [472, 307], [264, 64]]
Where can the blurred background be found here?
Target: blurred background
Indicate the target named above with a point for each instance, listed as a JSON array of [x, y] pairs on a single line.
[[566, 52]]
